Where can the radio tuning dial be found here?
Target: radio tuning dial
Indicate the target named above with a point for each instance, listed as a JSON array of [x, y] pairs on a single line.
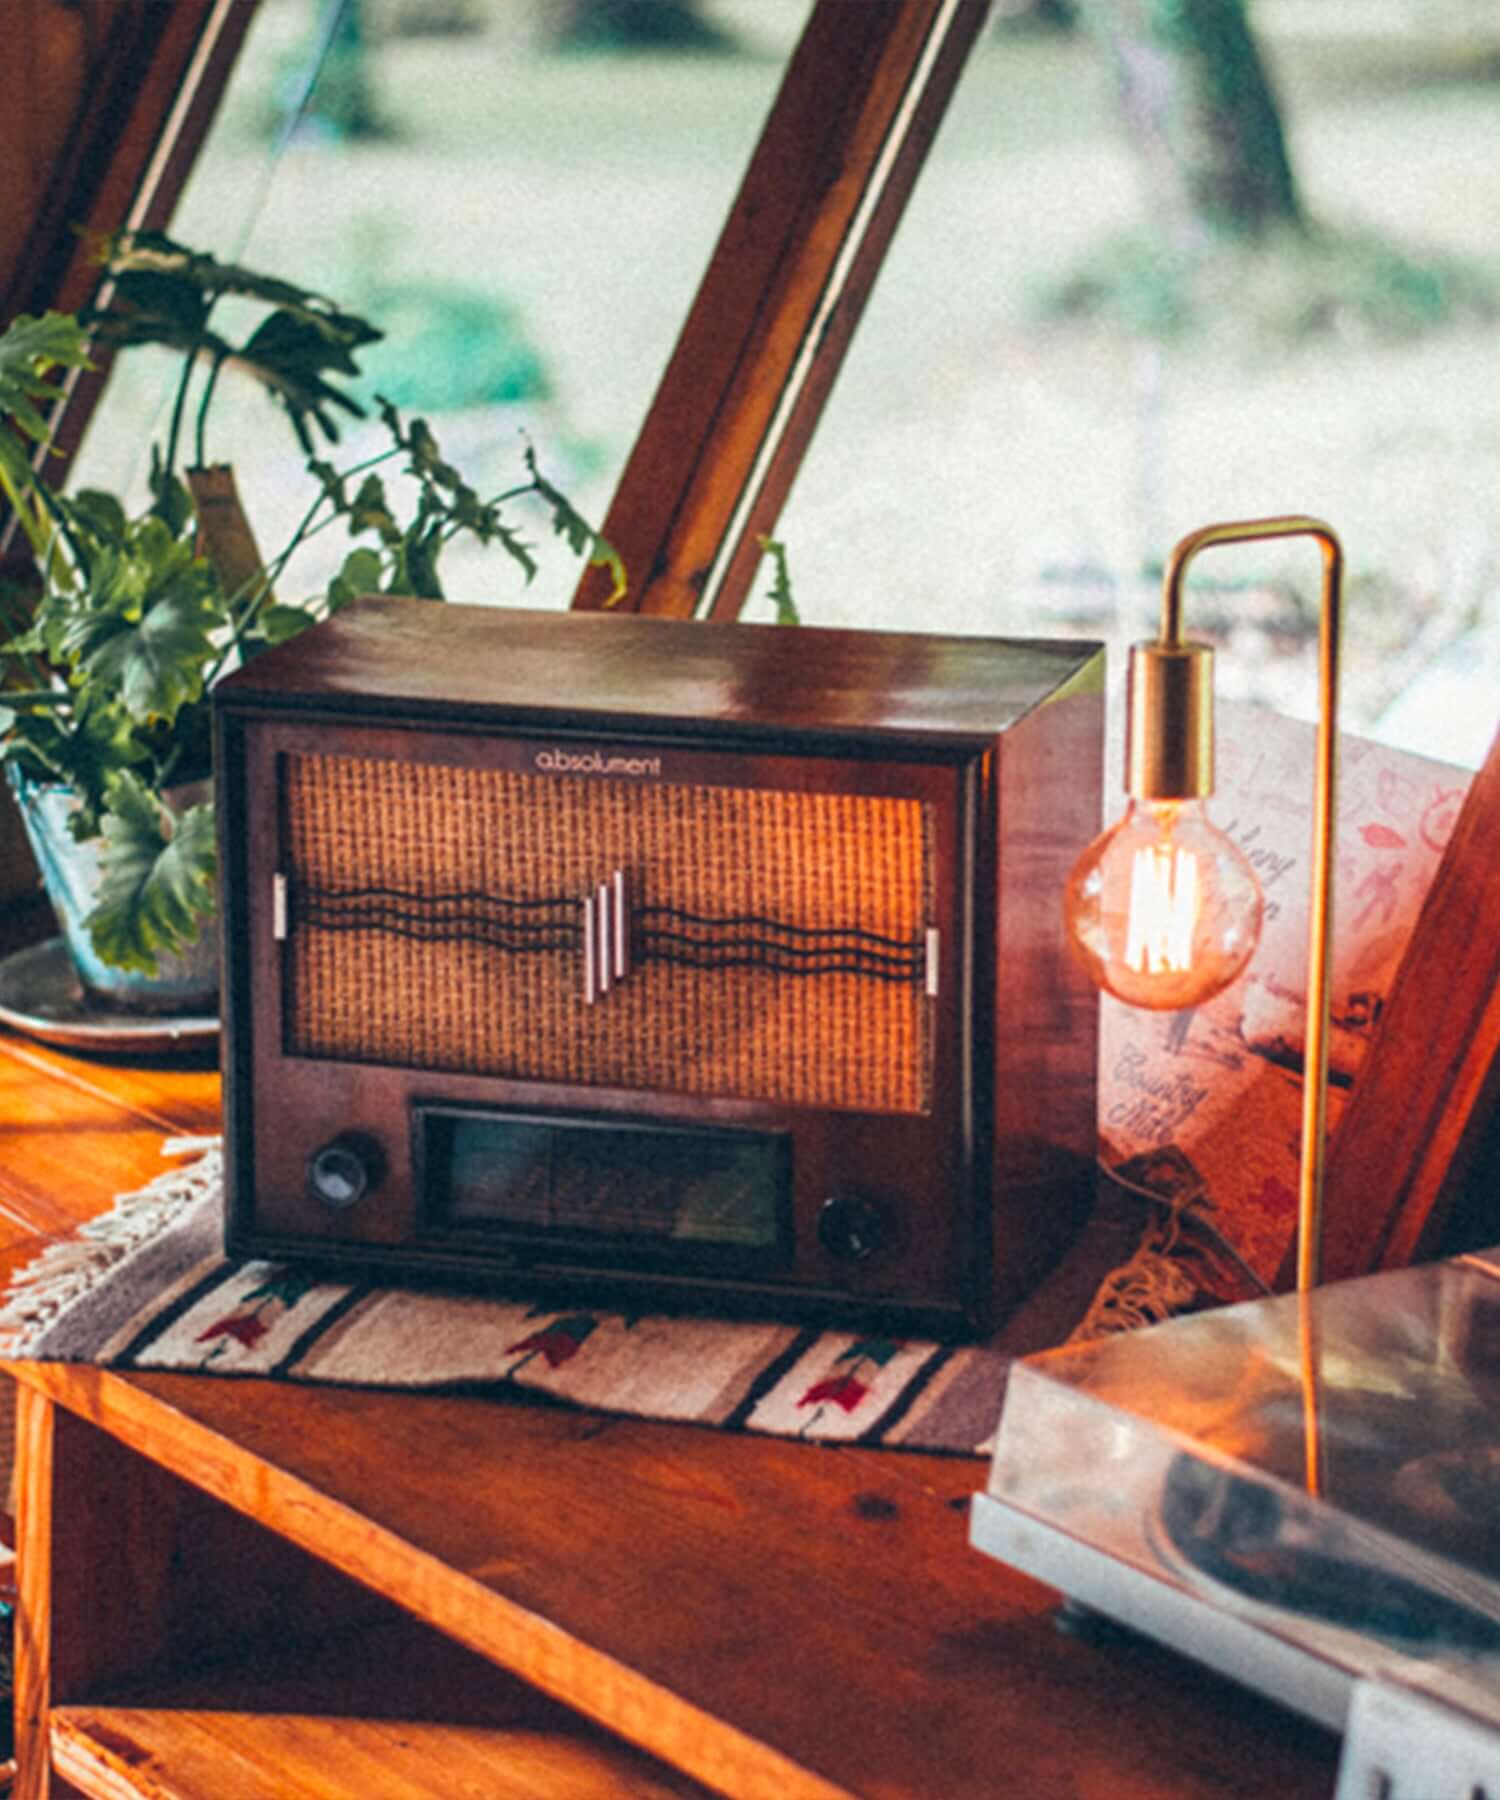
[[345, 1170], [853, 1227]]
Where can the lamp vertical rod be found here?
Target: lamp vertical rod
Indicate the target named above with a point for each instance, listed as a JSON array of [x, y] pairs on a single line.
[[1325, 798]]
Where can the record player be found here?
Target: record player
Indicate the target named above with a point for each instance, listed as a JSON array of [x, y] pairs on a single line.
[[1302, 1492]]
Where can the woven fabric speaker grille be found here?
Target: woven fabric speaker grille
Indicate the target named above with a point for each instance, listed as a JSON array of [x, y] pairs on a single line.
[[776, 938]]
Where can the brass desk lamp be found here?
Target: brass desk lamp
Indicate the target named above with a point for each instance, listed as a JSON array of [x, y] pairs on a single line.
[[1164, 909]]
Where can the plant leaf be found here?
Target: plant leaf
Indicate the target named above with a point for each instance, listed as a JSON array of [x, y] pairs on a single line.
[[370, 511], [158, 303], [164, 292], [582, 538], [138, 252], [171, 500], [157, 876], [516, 548], [77, 739], [143, 629], [29, 348], [780, 591], [278, 623], [100, 514], [291, 355], [414, 565], [360, 575]]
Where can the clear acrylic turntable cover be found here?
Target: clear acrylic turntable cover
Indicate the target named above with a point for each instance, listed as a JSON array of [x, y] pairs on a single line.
[[1303, 1492]]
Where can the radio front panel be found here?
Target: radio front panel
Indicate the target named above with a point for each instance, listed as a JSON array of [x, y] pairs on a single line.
[[576, 1186], [508, 995]]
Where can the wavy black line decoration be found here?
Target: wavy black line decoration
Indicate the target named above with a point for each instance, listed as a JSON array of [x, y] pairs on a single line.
[[488, 919], [665, 934], [656, 934]]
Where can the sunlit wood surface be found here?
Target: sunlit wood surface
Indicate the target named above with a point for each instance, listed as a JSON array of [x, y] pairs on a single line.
[[245, 1588], [75, 1132]]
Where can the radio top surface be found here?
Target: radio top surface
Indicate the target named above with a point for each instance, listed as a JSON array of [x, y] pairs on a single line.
[[413, 655]]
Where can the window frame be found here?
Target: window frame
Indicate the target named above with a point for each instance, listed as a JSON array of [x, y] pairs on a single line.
[[855, 116], [737, 404]]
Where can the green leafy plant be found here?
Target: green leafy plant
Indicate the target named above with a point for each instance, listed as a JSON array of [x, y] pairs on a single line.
[[107, 665]]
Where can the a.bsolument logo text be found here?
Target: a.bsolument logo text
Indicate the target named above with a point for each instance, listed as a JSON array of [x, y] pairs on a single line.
[[595, 762]]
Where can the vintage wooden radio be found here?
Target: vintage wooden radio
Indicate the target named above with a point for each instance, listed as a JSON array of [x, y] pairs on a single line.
[[708, 965]]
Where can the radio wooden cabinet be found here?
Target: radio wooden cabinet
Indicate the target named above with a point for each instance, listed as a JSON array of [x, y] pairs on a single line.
[[691, 963]]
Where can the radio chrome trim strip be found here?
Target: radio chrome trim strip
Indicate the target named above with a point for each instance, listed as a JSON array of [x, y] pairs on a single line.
[[606, 937], [591, 988], [278, 908]]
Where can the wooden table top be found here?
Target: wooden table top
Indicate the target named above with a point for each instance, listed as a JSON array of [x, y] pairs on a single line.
[[775, 1616]]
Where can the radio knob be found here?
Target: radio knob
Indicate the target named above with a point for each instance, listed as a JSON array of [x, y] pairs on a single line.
[[853, 1227], [345, 1170]]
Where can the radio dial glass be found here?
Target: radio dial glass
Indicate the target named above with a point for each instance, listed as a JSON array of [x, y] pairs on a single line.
[[721, 1194]]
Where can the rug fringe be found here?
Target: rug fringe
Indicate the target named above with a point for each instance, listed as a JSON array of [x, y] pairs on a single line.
[[68, 1267], [1148, 1289], [1154, 1284]]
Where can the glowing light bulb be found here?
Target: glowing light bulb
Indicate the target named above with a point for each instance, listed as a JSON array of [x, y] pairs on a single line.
[[1164, 910]]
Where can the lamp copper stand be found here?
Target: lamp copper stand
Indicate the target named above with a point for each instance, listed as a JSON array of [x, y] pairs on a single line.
[[1171, 742]]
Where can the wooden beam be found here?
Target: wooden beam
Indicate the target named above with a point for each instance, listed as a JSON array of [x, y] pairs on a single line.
[[841, 308], [128, 104], [1426, 1094], [856, 113]]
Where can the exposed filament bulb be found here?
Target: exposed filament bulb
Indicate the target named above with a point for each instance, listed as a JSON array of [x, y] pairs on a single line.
[[1163, 909]]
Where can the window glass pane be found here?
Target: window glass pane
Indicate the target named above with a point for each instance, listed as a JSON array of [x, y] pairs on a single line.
[[527, 223], [991, 461]]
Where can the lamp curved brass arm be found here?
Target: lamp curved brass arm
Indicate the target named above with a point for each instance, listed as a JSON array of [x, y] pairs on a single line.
[[1171, 646]]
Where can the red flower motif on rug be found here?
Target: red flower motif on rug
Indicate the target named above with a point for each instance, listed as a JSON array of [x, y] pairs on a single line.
[[247, 1329], [280, 1291], [558, 1342], [845, 1389]]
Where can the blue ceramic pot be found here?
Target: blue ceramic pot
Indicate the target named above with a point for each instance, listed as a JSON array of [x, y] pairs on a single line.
[[183, 985]]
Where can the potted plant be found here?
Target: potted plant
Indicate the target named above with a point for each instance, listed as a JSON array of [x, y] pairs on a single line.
[[108, 662]]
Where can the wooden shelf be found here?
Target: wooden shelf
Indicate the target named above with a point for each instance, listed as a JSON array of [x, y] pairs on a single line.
[[385, 1711], [777, 1621], [204, 1658], [127, 1753]]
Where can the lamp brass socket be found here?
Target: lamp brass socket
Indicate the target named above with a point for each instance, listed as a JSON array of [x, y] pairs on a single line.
[[1169, 730]]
